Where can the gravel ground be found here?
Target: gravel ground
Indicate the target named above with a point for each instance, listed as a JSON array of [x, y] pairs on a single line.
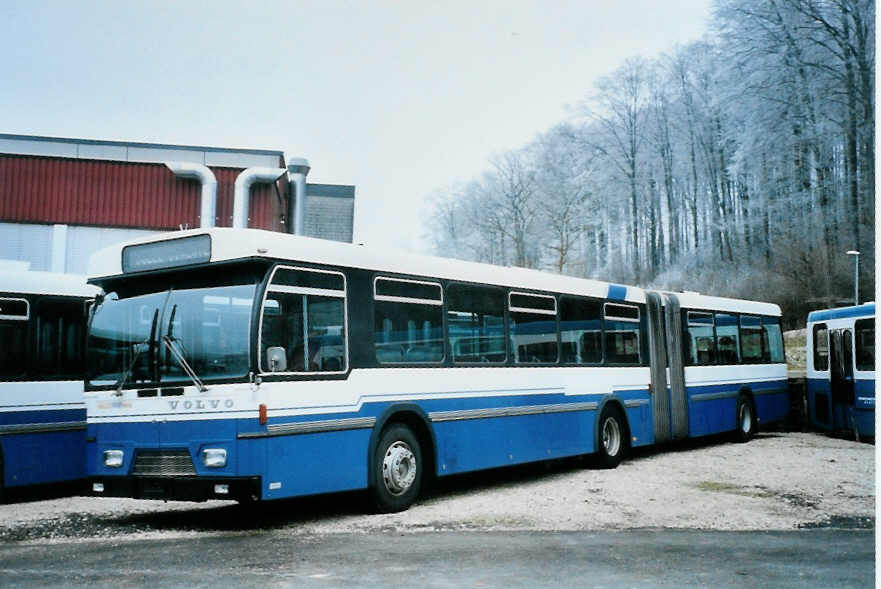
[[778, 481]]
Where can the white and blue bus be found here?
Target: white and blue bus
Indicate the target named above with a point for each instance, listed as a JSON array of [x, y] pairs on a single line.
[[229, 363], [841, 370], [42, 411]]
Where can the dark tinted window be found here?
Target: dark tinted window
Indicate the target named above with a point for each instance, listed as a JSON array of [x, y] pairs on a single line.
[[821, 347], [308, 279], [864, 333], [581, 330], [388, 287], [754, 344], [13, 351], [727, 339], [533, 328], [475, 318], [621, 334], [410, 329], [13, 309], [773, 337], [60, 338], [536, 302], [701, 341]]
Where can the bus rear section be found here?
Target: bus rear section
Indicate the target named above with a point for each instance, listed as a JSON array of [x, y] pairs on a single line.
[[841, 370]]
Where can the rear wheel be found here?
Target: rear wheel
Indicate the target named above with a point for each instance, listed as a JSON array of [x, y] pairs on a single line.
[[612, 437], [746, 419], [397, 469]]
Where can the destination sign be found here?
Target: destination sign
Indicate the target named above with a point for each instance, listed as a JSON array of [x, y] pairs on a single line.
[[184, 251]]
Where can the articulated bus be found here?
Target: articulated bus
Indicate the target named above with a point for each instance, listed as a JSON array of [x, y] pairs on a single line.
[[42, 412], [244, 364], [841, 370]]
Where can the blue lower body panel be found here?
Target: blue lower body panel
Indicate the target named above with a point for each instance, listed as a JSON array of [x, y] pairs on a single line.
[[825, 413], [33, 454]]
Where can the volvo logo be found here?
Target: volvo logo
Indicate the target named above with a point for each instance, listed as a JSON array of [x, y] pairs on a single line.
[[199, 404]]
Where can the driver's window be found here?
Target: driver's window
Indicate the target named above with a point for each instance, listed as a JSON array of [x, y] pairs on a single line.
[[303, 325]]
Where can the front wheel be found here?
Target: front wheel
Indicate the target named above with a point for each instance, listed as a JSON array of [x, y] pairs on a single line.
[[397, 469], [612, 442], [746, 419]]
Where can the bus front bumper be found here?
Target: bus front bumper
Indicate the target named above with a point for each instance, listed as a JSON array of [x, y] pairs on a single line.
[[178, 488]]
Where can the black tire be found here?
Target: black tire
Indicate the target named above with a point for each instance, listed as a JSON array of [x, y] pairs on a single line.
[[746, 419], [397, 469], [612, 437]]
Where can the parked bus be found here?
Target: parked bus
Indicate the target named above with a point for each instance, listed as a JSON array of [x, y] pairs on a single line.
[[42, 343], [229, 363], [841, 370]]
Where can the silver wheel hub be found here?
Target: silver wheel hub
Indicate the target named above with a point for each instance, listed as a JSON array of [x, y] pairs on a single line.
[[398, 468], [611, 436], [746, 418]]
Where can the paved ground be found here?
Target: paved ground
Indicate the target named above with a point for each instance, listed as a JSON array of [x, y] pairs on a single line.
[[819, 558], [785, 510]]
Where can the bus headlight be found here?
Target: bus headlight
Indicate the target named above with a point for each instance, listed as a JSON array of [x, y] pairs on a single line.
[[214, 457], [113, 458]]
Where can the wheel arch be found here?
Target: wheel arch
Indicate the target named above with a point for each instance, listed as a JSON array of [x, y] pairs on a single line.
[[747, 392], [612, 402], [416, 419]]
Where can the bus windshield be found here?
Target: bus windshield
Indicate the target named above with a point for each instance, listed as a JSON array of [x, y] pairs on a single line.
[[168, 336]]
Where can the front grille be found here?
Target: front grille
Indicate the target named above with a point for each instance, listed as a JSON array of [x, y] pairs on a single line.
[[163, 463]]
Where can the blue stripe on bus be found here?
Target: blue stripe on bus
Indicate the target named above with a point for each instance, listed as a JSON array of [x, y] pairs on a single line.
[[287, 463], [866, 310], [617, 292]]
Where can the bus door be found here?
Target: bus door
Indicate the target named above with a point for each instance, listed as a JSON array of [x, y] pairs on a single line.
[[670, 412], [841, 383]]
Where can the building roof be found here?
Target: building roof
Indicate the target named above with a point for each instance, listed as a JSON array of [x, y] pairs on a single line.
[[131, 151]]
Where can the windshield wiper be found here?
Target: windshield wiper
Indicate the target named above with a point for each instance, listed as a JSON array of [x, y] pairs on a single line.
[[169, 343], [140, 348]]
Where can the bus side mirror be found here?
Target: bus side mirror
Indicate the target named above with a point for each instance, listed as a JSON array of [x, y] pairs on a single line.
[[276, 359]]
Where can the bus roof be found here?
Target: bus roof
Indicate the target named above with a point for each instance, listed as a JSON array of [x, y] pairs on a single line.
[[864, 310], [233, 244], [46, 283], [690, 300]]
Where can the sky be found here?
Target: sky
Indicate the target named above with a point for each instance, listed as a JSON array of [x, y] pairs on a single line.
[[398, 98]]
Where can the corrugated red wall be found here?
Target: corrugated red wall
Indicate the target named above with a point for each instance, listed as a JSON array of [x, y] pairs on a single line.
[[121, 194]]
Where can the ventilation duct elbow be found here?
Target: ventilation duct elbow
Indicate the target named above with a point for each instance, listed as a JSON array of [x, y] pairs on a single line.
[[208, 206], [242, 192]]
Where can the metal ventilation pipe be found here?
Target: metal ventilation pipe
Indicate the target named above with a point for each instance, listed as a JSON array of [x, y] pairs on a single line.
[[297, 169], [242, 192], [208, 207]]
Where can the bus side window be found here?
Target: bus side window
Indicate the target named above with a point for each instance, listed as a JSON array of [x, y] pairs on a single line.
[[13, 333], [60, 338], [701, 341], [821, 347], [727, 338], [532, 324], [864, 333], [581, 330], [773, 337], [408, 323], [475, 322], [753, 339], [621, 333]]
